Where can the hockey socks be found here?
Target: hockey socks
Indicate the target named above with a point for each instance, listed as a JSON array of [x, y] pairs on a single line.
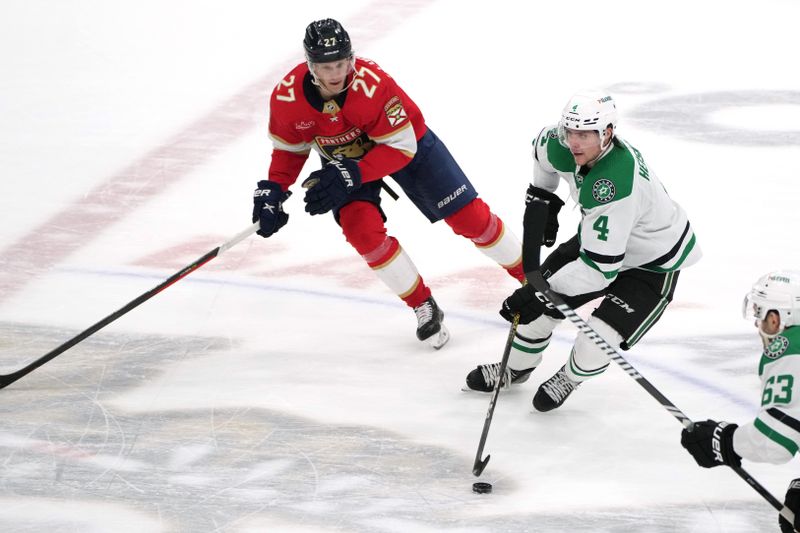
[[485, 229], [394, 267], [363, 228]]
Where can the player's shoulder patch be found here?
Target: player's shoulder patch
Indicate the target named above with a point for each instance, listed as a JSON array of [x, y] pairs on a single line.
[[777, 347], [611, 179], [395, 112], [604, 191], [783, 345]]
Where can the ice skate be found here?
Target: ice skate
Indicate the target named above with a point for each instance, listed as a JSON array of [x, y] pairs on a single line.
[[485, 377], [553, 392], [430, 327]]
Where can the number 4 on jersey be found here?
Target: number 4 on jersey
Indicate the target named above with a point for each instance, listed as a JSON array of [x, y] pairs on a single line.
[[601, 227]]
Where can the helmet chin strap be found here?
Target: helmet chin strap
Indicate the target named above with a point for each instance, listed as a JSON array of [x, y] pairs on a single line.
[[316, 81], [767, 338]]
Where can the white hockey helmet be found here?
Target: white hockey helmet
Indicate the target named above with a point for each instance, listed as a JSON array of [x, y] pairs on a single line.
[[589, 110], [777, 291]]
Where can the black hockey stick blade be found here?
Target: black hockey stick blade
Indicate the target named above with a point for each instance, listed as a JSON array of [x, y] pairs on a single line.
[[8, 379], [478, 467]]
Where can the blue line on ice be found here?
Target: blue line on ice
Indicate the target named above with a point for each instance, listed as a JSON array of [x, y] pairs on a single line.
[[695, 382]]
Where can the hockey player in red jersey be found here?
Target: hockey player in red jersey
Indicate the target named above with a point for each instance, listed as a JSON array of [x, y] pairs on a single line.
[[364, 127]]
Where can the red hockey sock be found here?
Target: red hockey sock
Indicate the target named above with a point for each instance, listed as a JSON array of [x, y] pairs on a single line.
[[364, 229], [476, 222]]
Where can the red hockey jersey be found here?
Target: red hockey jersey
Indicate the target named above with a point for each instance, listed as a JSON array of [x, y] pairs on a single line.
[[373, 121]]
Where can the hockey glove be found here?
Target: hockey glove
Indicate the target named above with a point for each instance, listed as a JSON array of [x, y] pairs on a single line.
[[329, 186], [530, 304], [792, 501], [554, 205], [711, 443], [268, 201]]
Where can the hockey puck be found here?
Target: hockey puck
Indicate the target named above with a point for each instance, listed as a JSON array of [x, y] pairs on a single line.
[[481, 488]]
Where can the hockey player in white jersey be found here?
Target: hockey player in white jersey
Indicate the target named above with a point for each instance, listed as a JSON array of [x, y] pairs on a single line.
[[632, 242], [774, 435]]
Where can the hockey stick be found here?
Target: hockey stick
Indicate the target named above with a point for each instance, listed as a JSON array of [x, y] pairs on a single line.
[[8, 379], [480, 464], [531, 245], [534, 276]]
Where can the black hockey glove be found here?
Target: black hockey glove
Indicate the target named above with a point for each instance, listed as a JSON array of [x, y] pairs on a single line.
[[554, 205], [329, 186], [711, 443], [268, 201], [530, 304], [792, 501]]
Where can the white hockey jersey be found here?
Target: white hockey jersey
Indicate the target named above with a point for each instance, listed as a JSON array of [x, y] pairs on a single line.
[[627, 218], [774, 435]]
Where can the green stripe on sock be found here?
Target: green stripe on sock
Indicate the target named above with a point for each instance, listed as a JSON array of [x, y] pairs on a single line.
[[582, 374], [528, 349]]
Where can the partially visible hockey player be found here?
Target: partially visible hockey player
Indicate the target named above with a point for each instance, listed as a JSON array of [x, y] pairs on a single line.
[[365, 127], [632, 241], [774, 435]]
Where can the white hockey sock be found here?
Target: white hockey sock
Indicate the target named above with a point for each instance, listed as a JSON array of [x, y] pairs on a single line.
[[587, 359], [530, 341], [398, 272], [505, 249]]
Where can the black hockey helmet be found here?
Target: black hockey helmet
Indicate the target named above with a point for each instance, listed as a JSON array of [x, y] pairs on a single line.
[[326, 41]]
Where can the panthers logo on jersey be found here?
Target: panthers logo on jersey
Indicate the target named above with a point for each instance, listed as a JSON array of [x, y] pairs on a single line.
[[353, 144]]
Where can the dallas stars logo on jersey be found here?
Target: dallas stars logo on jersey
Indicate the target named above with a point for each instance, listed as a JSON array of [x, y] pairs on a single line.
[[603, 191], [777, 347]]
